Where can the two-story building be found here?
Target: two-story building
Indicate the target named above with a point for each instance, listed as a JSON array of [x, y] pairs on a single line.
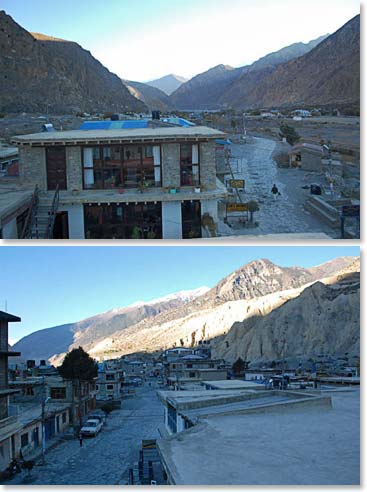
[[135, 183], [9, 423], [110, 380]]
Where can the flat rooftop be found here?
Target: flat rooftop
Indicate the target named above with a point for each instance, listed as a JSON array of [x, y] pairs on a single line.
[[76, 137], [303, 446], [231, 384], [13, 197]]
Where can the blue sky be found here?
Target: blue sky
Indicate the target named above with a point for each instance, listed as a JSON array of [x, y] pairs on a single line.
[[48, 286], [145, 39]]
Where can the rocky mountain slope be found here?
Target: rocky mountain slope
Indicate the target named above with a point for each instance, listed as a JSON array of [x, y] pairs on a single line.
[[323, 318], [44, 74], [152, 97], [324, 72], [220, 312], [258, 287], [328, 74], [168, 83], [208, 89], [43, 344]]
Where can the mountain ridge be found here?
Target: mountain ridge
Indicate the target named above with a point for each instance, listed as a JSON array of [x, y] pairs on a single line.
[[249, 283], [46, 74]]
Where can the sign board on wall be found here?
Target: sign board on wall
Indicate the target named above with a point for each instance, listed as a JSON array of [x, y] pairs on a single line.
[[237, 207], [236, 183]]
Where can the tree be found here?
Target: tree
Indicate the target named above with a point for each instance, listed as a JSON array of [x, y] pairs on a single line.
[[289, 133], [253, 206], [79, 368], [238, 366]]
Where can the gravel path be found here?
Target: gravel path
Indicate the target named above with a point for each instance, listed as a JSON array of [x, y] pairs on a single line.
[[285, 214]]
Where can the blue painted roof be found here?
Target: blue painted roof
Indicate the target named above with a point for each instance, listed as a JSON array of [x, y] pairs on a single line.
[[220, 141], [178, 121], [114, 125]]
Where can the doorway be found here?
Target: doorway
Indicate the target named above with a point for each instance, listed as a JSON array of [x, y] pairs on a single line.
[[61, 226], [56, 168]]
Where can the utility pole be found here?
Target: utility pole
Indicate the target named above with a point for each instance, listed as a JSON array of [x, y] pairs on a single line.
[[43, 420]]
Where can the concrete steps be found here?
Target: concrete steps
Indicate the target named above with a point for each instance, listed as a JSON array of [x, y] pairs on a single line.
[[323, 210], [39, 227]]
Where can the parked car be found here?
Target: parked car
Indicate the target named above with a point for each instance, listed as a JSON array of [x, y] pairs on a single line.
[[91, 427], [101, 416]]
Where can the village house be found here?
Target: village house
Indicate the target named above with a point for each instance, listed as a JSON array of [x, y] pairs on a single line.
[[9, 423], [127, 183], [9, 161], [110, 380], [306, 156], [194, 368]]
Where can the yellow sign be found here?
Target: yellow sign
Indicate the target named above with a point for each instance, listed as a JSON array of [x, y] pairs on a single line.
[[236, 183], [237, 207]]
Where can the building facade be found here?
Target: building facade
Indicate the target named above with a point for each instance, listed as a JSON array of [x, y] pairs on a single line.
[[148, 183], [9, 423]]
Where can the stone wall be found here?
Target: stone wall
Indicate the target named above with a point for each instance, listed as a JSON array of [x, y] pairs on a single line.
[[171, 165], [32, 166], [207, 165], [74, 170]]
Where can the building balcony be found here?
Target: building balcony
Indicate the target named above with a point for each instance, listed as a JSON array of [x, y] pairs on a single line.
[[135, 195]]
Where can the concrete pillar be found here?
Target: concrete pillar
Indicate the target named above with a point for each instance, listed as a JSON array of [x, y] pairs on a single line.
[[171, 220]]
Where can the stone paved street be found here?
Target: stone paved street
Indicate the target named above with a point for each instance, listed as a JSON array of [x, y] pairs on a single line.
[[105, 459], [252, 161]]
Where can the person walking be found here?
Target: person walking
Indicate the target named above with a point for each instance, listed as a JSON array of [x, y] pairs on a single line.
[[81, 439], [275, 191]]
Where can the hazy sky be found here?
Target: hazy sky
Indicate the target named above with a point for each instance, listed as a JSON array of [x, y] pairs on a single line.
[[48, 286], [146, 39]]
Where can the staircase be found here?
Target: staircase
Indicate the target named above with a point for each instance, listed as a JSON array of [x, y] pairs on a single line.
[[41, 215]]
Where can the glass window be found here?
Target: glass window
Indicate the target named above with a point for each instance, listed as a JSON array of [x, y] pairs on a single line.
[[58, 393], [189, 165], [110, 386], [123, 221], [114, 166]]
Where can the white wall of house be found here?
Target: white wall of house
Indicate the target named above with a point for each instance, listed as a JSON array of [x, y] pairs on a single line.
[[76, 220], [171, 220]]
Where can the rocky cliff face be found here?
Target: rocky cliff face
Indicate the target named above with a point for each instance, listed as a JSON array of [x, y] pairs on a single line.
[[321, 319], [45, 74]]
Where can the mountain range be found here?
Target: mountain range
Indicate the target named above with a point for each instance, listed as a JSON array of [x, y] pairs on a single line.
[[314, 308], [45, 74]]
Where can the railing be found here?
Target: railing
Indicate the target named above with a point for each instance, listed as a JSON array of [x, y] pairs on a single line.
[[52, 215], [31, 218]]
